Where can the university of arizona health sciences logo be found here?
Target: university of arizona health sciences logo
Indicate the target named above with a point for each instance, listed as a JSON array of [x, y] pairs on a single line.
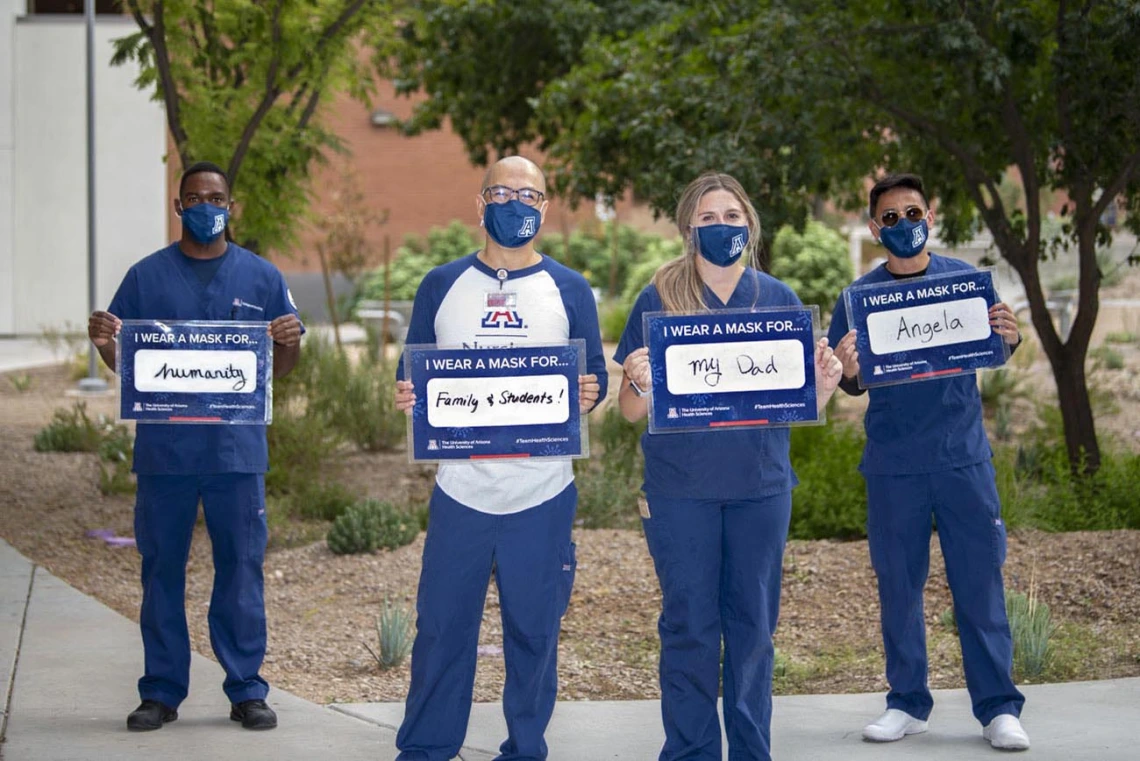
[[500, 311]]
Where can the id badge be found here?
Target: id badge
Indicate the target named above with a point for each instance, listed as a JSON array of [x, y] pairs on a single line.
[[500, 300]]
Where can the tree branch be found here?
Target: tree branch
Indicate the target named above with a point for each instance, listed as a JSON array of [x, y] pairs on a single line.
[[329, 32], [1023, 157], [1116, 187], [272, 92], [310, 109], [156, 33]]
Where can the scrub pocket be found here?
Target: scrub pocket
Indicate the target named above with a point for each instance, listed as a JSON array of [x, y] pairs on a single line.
[[999, 540], [568, 568]]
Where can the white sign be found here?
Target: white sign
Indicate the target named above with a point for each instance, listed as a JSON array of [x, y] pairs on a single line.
[[719, 368], [930, 325], [488, 402], [193, 371]]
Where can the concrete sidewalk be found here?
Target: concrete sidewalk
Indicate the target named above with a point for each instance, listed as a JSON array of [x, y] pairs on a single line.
[[68, 666]]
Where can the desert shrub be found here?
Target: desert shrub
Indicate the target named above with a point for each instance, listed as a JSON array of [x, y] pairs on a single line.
[[831, 500], [354, 399], [1107, 357], [370, 525], [1032, 628], [393, 636], [323, 501], [609, 482], [1122, 337], [301, 452], [20, 382], [71, 430]]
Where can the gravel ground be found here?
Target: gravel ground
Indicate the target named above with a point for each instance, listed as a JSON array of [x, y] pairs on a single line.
[[322, 607]]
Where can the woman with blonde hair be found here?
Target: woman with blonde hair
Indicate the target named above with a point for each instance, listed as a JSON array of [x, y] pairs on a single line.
[[718, 503]]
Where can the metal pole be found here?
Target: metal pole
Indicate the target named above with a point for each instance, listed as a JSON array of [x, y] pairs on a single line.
[[92, 382]]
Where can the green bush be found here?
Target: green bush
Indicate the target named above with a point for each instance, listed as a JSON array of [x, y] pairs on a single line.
[[393, 635], [370, 525], [302, 451], [1122, 337], [612, 318], [609, 482], [831, 500], [322, 501], [1032, 629], [1107, 357], [591, 251], [416, 257], [1038, 488], [355, 398], [815, 263], [71, 430]]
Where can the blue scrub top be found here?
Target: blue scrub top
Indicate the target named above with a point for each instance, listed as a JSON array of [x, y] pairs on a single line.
[[923, 427], [164, 286], [732, 464]]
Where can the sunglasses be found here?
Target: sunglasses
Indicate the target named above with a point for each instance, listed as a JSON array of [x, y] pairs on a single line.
[[890, 218]]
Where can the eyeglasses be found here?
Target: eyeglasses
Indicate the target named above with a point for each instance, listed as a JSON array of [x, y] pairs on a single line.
[[890, 217], [502, 194]]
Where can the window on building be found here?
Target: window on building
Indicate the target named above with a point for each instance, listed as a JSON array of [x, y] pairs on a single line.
[[102, 7]]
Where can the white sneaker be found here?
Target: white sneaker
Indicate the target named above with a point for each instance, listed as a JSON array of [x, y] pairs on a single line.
[[1005, 733], [893, 725]]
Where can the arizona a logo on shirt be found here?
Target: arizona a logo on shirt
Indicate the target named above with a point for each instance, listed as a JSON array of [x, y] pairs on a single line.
[[499, 311]]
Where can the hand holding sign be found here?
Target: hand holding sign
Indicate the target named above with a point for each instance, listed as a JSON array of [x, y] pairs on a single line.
[[405, 396], [286, 330], [828, 371], [588, 391], [636, 368], [848, 354], [102, 327], [1004, 323]]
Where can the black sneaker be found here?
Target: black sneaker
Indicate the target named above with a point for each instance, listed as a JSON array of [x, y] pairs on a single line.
[[253, 714], [150, 715]]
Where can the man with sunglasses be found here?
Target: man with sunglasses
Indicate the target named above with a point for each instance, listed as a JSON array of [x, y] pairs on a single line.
[[927, 456], [511, 518]]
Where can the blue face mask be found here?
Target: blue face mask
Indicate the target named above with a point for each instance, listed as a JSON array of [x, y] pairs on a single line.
[[205, 222], [511, 224], [722, 245], [906, 239]]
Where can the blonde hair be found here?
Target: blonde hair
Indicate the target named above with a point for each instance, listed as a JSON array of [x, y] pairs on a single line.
[[678, 282]]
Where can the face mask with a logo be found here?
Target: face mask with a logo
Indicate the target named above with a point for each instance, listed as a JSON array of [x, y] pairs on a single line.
[[906, 239], [722, 245], [511, 224], [205, 222]]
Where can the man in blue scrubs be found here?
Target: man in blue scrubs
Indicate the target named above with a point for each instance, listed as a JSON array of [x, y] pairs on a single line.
[[508, 518], [927, 455], [203, 276]]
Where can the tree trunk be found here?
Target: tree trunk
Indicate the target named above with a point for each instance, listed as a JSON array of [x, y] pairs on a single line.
[[387, 297], [1067, 360], [1076, 413]]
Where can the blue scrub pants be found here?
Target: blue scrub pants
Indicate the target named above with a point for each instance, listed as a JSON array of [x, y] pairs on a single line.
[[964, 503], [166, 509], [532, 558], [719, 564]]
